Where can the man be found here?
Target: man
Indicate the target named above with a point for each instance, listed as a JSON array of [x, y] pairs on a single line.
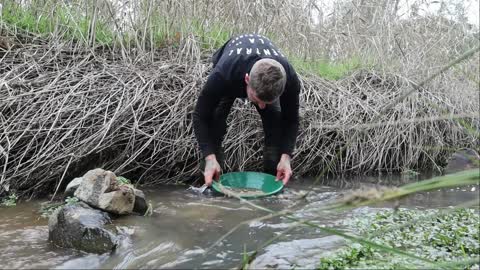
[[249, 66]]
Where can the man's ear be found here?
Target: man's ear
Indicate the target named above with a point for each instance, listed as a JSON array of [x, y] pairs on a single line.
[[247, 78]]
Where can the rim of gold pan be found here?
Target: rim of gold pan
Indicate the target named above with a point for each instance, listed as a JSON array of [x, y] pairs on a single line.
[[247, 185]]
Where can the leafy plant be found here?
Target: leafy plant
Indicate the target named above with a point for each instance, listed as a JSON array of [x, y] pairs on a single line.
[[350, 256], [48, 208], [123, 180], [435, 234], [11, 200], [71, 200], [410, 172]]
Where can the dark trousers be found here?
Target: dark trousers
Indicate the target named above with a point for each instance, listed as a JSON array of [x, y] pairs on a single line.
[[271, 119]]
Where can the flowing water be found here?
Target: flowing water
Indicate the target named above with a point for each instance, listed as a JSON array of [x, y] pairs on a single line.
[[185, 225]]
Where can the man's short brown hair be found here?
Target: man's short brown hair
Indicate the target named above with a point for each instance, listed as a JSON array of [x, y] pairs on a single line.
[[268, 79]]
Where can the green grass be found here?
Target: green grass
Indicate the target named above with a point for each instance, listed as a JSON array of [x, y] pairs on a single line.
[[59, 19], [71, 25], [326, 69], [26, 19], [167, 34], [68, 22]]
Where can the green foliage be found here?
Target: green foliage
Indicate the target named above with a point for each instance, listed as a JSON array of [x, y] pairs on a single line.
[[212, 37], [410, 172], [327, 70], [345, 257], [123, 181], [47, 208], [161, 32], [26, 19], [438, 235], [245, 257], [55, 19], [11, 200], [71, 200]]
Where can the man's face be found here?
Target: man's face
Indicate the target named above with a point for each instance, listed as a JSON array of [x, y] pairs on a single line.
[[252, 96]]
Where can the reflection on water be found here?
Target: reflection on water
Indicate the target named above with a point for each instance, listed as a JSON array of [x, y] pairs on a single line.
[[184, 226]]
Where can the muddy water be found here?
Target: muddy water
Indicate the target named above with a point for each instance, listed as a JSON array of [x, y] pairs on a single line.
[[185, 225]]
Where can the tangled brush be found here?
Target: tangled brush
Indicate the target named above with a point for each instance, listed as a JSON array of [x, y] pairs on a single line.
[[65, 109]]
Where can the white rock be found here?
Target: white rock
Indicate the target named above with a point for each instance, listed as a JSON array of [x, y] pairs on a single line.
[[94, 184], [119, 201]]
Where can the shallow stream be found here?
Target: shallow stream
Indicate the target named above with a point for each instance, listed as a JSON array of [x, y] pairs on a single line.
[[185, 225]]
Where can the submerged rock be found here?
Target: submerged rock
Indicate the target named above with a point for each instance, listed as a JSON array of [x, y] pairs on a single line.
[[204, 191], [303, 253], [463, 159], [81, 227], [140, 206]]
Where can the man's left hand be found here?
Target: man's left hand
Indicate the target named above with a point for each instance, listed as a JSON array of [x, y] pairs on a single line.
[[284, 171]]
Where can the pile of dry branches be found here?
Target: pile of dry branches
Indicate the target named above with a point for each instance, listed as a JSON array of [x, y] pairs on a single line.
[[66, 109]]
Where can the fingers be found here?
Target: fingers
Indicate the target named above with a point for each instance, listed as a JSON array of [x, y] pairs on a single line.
[[283, 174], [287, 177], [279, 175], [212, 171], [208, 178], [217, 174]]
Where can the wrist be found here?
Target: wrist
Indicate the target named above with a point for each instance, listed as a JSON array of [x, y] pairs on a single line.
[[211, 157], [285, 157]]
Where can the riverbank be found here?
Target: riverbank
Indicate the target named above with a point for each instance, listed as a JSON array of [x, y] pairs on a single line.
[[68, 108]]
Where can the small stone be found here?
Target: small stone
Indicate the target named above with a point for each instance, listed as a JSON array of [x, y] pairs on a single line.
[[72, 187], [140, 207], [119, 202]]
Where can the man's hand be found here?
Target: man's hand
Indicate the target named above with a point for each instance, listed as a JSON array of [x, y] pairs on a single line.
[[284, 171], [212, 169]]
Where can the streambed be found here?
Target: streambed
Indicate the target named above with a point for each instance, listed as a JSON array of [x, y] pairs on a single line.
[[185, 225]]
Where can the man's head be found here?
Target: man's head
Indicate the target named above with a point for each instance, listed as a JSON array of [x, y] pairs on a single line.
[[266, 82]]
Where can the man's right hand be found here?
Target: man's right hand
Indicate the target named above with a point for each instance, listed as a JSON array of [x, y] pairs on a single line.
[[212, 169]]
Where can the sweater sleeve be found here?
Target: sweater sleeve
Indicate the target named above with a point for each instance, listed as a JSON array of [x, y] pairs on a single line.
[[202, 116], [289, 102]]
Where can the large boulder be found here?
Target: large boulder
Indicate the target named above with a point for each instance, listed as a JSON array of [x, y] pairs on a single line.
[[94, 184], [463, 159], [81, 227], [100, 189]]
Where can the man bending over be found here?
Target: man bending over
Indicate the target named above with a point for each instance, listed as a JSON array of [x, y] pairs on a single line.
[[249, 66]]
